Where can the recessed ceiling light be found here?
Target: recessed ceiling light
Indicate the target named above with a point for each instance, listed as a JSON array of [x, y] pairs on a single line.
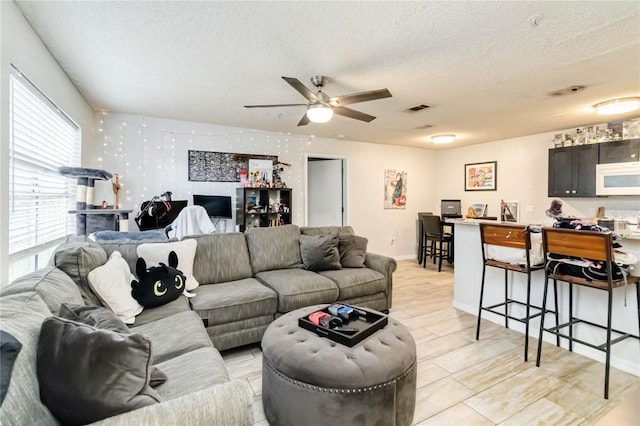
[[617, 106], [448, 138]]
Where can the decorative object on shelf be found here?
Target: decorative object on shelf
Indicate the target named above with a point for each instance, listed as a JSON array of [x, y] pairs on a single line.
[[481, 176], [617, 106], [261, 172], [479, 210], [509, 211], [631, 129], [395, 189], [116, 184]]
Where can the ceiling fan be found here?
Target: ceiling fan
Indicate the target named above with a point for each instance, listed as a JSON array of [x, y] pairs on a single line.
[[321, 107]]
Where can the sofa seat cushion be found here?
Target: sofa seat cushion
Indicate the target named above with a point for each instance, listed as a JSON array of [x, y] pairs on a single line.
[[181, 304], [54, 287], [21, 315], [356, 282], [174, 335], [298, 287], [234, 301], [191, 372]]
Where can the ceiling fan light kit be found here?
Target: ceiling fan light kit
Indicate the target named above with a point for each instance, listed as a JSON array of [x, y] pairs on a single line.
[[448, 138], [320, 107], [617, 106], [319, 113]]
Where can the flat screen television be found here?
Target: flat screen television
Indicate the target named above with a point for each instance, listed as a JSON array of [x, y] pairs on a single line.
[[218, 206]]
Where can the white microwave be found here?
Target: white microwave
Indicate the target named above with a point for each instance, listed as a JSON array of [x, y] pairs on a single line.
[[618, 178]]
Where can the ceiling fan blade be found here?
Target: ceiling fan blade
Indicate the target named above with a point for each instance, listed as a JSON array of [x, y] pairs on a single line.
[[301, 88], [304, 120], [271, 106], [352, 113], [360, 97]]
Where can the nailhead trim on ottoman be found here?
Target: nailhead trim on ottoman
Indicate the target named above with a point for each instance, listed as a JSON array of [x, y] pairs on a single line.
[[311, 380]]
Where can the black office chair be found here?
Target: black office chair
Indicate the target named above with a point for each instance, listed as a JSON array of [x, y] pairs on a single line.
[[437, 243]]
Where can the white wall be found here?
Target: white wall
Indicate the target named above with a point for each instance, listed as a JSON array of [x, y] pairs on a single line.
[[151, 155], [522, 175], [22, 47]]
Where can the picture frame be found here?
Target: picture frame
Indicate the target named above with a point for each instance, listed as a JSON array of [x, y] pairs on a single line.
[[481, 176], [395, 189], [510, 211]]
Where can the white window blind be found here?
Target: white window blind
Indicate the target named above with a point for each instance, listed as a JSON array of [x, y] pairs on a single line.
[[41, 139]]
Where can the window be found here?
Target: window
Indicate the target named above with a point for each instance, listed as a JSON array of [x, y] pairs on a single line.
[[41, 139]]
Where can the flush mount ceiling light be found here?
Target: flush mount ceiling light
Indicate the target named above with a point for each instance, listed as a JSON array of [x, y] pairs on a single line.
[[443, 138], [617, 106], [319, 113]]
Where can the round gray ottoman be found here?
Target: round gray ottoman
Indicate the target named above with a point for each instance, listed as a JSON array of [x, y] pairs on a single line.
[[311, 380]]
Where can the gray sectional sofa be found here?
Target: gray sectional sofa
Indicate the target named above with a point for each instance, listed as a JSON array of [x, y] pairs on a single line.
[[246, 281]]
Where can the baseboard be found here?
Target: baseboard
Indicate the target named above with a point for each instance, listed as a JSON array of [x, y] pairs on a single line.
[[406, 257]]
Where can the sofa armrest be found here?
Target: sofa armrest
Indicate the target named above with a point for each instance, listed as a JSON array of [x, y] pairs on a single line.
[[226, 404], [386, 266]]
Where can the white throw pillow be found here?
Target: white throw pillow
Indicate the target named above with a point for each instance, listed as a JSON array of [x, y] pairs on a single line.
[[153, 254], [111, 282]]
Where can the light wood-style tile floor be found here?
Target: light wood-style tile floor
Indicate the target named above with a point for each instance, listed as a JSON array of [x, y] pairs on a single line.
[[462, 381]]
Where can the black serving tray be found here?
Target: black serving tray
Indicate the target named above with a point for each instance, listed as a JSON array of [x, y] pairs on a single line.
[[372, 322]]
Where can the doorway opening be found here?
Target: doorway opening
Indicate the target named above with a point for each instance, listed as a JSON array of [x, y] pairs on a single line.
[[326, 191]]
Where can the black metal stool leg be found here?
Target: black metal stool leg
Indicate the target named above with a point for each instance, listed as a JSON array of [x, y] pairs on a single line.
[[506, 298], [555, 302], [542, 315], [484, 269], [526, 324], [570, 317], [608, 352]]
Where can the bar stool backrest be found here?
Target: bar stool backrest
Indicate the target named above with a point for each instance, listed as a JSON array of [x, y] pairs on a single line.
[[514, 236], [431, 225], [576, 243]]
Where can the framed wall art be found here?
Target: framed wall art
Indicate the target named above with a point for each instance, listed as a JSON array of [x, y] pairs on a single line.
[[481, 176], [395, 189], [510, 211]]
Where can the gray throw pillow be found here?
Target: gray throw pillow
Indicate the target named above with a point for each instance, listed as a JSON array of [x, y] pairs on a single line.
[[353, 250], [99, 317], [77, 259], [320, 252], [9, 350], [87, 374]]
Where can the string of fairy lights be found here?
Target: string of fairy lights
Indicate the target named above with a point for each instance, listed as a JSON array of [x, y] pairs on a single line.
[[146, 156]]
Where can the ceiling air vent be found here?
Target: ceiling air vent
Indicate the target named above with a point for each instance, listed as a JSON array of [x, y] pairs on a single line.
[[419, 107]]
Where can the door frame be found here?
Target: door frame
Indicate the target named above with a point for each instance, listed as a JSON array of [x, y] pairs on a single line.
[[345, 186]]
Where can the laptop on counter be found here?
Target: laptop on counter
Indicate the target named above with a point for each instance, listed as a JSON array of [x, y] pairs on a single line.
[[450, 209]]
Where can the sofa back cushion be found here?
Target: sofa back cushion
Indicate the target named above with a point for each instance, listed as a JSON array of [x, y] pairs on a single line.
[[128, 249], [77, 259], [274, 248], [54, 287], [22, 315], [221, 258], [321, 230]]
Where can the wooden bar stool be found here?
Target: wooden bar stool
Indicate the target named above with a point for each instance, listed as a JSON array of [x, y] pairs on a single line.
[[597, 246], [514, 237]]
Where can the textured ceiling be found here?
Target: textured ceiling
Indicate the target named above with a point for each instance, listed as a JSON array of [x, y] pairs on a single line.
[[485, 68]]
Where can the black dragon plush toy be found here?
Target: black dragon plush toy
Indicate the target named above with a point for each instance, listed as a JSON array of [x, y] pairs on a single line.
[[158, 285]]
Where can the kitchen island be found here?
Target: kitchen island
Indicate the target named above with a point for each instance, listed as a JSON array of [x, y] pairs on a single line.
[[590, 304]]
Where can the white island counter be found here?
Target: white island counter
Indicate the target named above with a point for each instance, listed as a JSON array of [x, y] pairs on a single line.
[[590, 304]]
